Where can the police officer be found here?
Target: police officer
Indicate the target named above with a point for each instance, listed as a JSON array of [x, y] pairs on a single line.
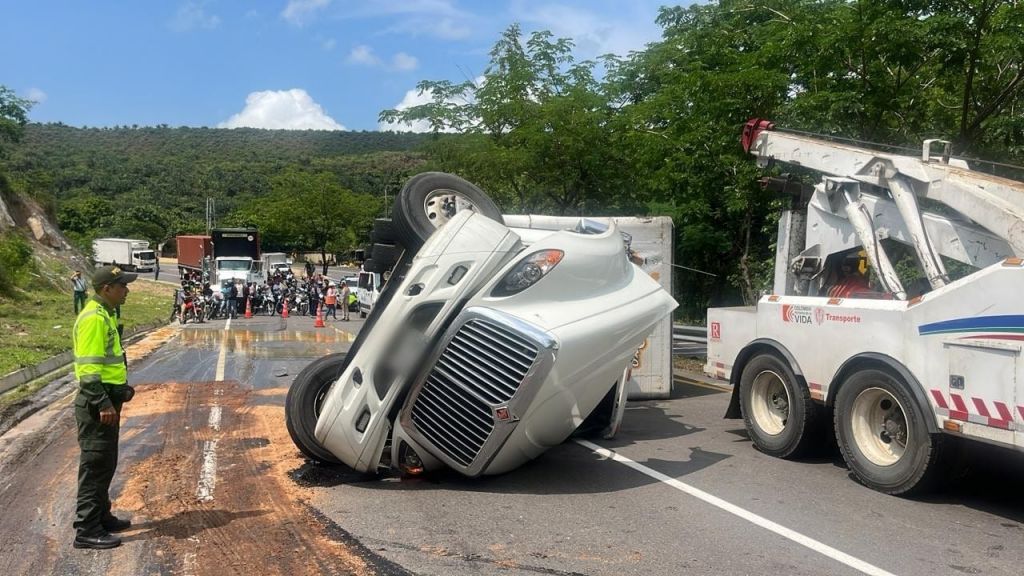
[[102, 374]]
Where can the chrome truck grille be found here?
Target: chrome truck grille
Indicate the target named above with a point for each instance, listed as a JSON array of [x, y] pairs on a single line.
[[473, 384]]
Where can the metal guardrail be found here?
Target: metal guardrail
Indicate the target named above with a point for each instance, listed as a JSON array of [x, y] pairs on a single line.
[[700, 332], [689, 340]]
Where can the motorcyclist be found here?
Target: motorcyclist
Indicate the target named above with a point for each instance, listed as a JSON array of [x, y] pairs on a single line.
[[179, 300], [217, 299]]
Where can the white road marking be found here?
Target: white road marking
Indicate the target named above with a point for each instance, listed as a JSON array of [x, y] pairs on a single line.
[[819, 547], [223, 356], [208, 475], [215, 417]]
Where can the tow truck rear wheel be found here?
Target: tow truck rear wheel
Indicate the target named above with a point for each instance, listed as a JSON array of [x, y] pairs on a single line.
[[305, 399], [778, 412], [882, 434], [430, 199]]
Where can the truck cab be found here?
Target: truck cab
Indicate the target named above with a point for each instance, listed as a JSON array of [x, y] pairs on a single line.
[[237, 269], [368, 291]]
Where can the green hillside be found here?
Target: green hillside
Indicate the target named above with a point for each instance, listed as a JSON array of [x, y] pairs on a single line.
[[153, 183]]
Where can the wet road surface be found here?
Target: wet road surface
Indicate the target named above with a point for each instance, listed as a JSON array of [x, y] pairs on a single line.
[[204, 464]]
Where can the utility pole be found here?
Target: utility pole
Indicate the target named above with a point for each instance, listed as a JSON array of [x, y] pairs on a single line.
[[211, 215]]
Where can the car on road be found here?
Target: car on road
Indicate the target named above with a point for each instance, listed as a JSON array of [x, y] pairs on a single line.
[[484, 348]]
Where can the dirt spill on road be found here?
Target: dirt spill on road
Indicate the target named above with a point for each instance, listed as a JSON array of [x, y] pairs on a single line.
[[257, 521], [154, 340], [267, 343]]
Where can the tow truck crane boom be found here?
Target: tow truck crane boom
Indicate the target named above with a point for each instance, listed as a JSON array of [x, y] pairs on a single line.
[[878, 195]]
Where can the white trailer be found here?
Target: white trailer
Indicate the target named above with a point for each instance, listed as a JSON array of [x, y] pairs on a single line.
[[899, 368], [127, 253]]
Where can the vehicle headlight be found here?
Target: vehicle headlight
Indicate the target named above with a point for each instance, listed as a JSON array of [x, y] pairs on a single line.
[[528, 272]]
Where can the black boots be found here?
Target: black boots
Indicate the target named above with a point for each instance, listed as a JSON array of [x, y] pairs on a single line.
[[99, 542]]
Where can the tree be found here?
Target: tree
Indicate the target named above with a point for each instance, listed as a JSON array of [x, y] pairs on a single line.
[[536, 124], [13, 116], [305, 212]]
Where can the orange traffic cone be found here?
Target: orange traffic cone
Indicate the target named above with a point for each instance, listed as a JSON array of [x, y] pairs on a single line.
[[319, 317], [248, 307], [284, 311]]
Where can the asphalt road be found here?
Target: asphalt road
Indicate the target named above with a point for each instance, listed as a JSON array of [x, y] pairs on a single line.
[[210, 478]]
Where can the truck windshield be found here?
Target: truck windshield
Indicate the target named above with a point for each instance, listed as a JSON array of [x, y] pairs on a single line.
[[233, 264], [146, 255]]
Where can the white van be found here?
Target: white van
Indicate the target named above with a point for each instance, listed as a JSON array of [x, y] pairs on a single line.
[[368, 290]]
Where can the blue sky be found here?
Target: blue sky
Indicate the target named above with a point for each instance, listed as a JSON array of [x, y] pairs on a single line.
[[330, 64]]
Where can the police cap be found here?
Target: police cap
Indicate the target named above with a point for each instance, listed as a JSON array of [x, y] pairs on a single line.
[[111, 275]]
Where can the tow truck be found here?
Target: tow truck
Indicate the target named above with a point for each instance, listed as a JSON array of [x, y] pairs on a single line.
[[846, 345]]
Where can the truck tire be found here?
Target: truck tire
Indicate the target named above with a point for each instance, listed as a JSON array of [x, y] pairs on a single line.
[[303, 402], [777, 409], [383, 231], [430, 199], [883, 436], [383, 258]]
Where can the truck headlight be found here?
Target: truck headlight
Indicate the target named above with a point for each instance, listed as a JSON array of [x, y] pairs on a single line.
[[528, 272]]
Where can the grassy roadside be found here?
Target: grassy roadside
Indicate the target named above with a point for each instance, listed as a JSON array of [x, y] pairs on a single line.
[[36, 324]]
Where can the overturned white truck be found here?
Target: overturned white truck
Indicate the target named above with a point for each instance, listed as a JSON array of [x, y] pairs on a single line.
[[485, 347], [900, 368]]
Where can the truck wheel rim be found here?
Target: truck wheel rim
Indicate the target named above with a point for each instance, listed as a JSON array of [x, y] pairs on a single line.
[[442, 205], [770, 403], [879, 425]]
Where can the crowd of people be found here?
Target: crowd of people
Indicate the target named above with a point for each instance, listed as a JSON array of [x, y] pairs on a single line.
[[310, 294]]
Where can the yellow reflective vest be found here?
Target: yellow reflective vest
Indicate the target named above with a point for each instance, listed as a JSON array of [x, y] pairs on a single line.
[[99, 358]]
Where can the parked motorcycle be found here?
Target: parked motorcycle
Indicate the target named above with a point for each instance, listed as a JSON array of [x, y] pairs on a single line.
[[487, 345], [192, 309], [299, 303]]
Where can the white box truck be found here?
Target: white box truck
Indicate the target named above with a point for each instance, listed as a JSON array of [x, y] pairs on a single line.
[[274, 262], [127, 253]]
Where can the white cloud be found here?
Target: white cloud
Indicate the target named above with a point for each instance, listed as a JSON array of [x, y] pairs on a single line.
[[404, 62], [301, 12], [431, 7], [282, 109], [443, 28], [36, 95], [630, 26], [414, 98], [363, 55], [192, 15]]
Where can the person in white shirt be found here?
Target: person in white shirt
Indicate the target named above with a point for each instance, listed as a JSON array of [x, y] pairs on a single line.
[[78, 285]]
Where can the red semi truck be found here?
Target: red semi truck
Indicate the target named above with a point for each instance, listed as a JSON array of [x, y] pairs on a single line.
[[192, 250]]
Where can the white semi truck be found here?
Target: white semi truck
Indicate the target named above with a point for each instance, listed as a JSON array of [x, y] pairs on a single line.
[[899, 368], [127, 253]]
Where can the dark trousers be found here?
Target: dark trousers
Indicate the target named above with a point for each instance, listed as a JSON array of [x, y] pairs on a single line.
[[332, 311], [233, 306], [79, 301], [96, 467]]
